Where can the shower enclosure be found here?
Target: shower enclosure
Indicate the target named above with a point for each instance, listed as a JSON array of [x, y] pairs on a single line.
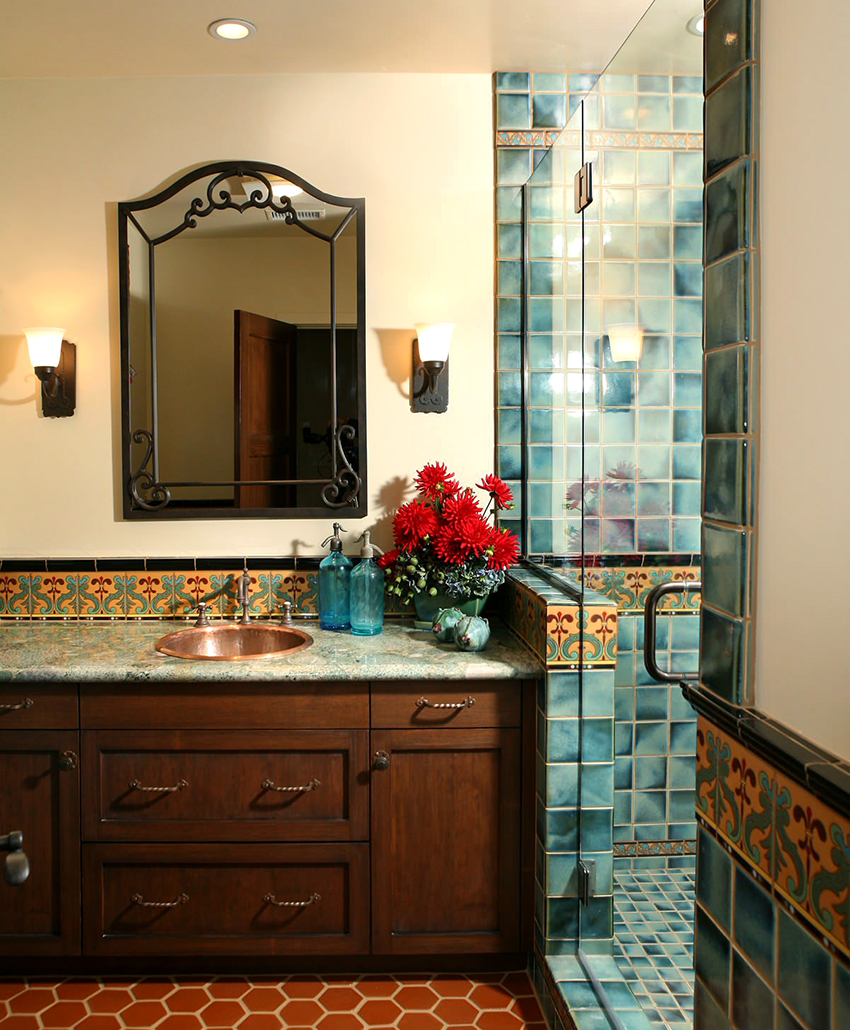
[[600, 428]]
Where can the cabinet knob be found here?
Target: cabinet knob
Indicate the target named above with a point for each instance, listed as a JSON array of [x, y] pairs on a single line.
[[67, 761], [382, 760]]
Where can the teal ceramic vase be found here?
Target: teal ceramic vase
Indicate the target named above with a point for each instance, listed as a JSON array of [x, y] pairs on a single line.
[[472, 633], [443, 626], [427, 606]]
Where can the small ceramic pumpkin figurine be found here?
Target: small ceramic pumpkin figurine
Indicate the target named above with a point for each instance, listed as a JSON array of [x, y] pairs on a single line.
[[472, 633], [443, 625]]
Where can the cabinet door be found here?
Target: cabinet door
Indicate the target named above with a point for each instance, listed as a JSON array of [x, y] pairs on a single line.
[[446, 841], [40, 796]]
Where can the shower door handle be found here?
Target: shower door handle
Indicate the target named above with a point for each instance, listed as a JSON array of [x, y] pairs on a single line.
[[650, 629]]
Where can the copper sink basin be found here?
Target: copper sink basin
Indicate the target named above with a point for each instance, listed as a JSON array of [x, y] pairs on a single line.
[[234, 642]]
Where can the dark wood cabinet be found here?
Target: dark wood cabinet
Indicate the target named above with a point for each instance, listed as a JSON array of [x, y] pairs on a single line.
[[40, 796], [268, 819], [446, 841]]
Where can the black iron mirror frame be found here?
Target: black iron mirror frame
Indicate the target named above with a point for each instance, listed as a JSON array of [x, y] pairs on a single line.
[[144, 497]]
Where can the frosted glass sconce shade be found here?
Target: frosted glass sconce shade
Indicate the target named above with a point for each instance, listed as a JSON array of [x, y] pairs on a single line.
[[45, 345], [429, 381], [626, 342], [54, 361]]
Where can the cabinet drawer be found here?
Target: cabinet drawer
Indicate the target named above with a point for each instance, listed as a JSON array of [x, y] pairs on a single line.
[[218, 785], [224, 706], [406, 705], [190, 899], [38, 706]]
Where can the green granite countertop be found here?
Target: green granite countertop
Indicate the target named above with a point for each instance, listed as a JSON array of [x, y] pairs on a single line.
[[116, 651]]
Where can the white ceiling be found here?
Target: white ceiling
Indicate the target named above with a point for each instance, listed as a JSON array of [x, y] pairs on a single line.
[[95, 38]]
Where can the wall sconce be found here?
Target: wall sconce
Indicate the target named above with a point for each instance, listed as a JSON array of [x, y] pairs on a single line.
[[54, 362], [429, 380], [625, 342]]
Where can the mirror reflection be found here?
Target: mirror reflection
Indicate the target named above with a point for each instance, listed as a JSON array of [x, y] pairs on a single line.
[[242, 319]]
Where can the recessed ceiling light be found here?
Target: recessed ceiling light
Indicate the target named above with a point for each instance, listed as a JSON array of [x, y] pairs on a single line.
[[232, 28], [697, 25]]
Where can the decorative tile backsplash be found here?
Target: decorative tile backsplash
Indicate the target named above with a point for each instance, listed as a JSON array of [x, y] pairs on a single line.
[[635, 471]]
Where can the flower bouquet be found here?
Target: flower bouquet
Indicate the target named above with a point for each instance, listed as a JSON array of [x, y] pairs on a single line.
[[447, 553]]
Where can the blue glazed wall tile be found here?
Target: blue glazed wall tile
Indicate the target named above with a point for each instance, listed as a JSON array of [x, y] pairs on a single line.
[[727, 389], [753, 1001], [756, 922], [714, 879], [707, 1013], [513, 81], [712, 960], [513, 111], [803, 962], [722, 656], [726, 218], [727, 123], [726, 481], [727, 302], [549, 111], [727, 39]]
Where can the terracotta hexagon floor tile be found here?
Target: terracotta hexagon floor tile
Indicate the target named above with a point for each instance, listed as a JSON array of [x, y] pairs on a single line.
[[77, 990], [302, 1013], [260, 1021], [33, 1000], [416, 998], [20, 1023], [152, 989], [9, 988], [490, 996], [143, 1013], [228, 987], [377, 986], [518, 984], [377, 1011], [498, 1021], [340, 1021], [110, 999], [340, 999], [180, 1021], [187, 999], [100, 1022], [419, 1021], [527, 1009], [223, 1013], [302, 987], [64, 1014], [455, 1011], [263, 999], [451, 985]]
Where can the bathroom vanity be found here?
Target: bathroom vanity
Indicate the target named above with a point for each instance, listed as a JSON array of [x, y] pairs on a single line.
[[358, 798]]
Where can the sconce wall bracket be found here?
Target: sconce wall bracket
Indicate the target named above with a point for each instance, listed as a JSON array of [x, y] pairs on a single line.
[[59, 390], [428, 392]]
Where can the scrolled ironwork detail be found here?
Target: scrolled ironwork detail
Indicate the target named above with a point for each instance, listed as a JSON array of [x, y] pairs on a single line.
[[342, 490], [142, 480]]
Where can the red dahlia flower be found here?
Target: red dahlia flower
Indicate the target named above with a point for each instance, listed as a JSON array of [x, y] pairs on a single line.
[[498, 490], [462, 506], [414, 523], [434, 480], [503, 551], [387, 560]]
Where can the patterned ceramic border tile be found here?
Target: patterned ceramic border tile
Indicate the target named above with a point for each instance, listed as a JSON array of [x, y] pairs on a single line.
[[629, 586], [777, 826], [645, 140], [654, 848]]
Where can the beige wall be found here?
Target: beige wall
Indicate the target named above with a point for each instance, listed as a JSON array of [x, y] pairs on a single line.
[[803, 658], [417, 147]]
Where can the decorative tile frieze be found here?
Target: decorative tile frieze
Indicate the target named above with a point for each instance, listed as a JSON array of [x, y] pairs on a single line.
[[795, 840], [654, 848], [629, 587]]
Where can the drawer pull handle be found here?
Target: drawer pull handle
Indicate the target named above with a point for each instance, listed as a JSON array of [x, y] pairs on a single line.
[[467, 702], [26, 703], [314, 784], [181, 899], [179, 785], [271, 900]]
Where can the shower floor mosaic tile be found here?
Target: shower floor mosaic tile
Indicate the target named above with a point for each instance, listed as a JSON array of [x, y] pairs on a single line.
[[497, 1001], [654, 942]]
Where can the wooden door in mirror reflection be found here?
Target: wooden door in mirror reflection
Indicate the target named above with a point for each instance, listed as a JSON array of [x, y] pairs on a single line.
[[265, 408]]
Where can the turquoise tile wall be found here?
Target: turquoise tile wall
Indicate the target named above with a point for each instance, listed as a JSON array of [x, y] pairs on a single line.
[[731, 347], [643, 250]]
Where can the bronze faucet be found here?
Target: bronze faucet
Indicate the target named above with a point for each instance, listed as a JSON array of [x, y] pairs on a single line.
[[243, 594]]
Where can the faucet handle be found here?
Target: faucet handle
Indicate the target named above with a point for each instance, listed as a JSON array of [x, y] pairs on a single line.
[[287, 613], [202, 615]]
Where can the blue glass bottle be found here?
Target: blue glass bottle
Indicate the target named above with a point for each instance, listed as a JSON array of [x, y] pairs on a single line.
[[334, 585], [367, 592]]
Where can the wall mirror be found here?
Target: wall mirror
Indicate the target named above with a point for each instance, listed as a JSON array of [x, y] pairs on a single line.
[[242, 347]]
